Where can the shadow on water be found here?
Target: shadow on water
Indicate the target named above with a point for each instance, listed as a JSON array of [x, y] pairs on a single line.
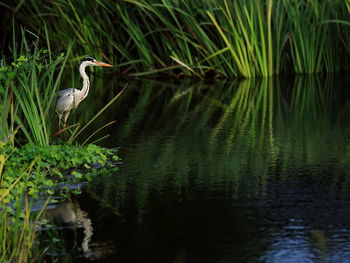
[[251, 171]]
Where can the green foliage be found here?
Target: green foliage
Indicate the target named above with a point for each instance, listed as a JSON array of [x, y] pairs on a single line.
[[17, 233], [17, 222], [244, 38], [310, 45], [51, 165], [247, 32], [27, 91]]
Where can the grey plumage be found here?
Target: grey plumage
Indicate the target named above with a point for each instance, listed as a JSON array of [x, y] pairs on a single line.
[[69, 99]]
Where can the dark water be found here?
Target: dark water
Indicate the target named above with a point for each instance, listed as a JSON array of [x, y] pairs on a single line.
[[252, 171]]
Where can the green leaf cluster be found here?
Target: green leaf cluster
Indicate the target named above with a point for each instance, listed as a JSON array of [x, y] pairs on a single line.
[[51, 167]]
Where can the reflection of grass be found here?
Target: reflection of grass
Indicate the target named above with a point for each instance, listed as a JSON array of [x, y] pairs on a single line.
[[232, 137]]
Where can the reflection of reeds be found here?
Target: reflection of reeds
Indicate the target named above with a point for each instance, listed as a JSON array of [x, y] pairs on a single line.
[[231, 137]]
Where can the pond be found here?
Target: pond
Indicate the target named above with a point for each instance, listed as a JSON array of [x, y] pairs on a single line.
[[244, 171]]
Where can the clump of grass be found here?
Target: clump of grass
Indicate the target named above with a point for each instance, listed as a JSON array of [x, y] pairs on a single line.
[[246, 29], [28, 90], [310, 45], [198, 38], [35, 92]]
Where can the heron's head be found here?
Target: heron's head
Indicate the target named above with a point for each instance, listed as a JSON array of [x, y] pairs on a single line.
[[89, 61]]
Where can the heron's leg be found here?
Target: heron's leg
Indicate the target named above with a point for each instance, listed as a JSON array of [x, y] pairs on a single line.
[[59, 120], [65, 118]]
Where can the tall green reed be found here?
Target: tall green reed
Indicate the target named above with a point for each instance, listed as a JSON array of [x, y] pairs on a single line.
[[198, 38], [310, 45], [8, 110], [246, 29], [28, 98]]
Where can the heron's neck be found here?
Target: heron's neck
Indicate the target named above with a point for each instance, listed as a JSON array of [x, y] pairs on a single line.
[[86, 83]]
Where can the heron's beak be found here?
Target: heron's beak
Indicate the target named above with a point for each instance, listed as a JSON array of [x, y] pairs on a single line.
[[98, 63]]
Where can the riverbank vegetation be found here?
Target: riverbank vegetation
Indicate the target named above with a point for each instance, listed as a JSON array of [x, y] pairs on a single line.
[[38, 161], [197, 38], [38, 175]]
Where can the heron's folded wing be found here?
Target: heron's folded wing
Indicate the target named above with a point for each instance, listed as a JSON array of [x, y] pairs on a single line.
[[65, 92], [65, 102]]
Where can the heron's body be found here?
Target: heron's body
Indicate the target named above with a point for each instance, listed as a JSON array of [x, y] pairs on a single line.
[[66, 102], [69, 99]]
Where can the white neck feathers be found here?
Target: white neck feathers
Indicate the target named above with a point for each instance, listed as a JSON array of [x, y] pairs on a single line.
[[86, 83]]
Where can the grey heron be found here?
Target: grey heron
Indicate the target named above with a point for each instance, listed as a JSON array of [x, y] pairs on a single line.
[[69, 99]]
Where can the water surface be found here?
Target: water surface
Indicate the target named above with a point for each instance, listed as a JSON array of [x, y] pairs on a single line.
[[250, 171]]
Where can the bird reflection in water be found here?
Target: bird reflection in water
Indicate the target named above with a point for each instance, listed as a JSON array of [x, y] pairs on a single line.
[[72, 215]]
